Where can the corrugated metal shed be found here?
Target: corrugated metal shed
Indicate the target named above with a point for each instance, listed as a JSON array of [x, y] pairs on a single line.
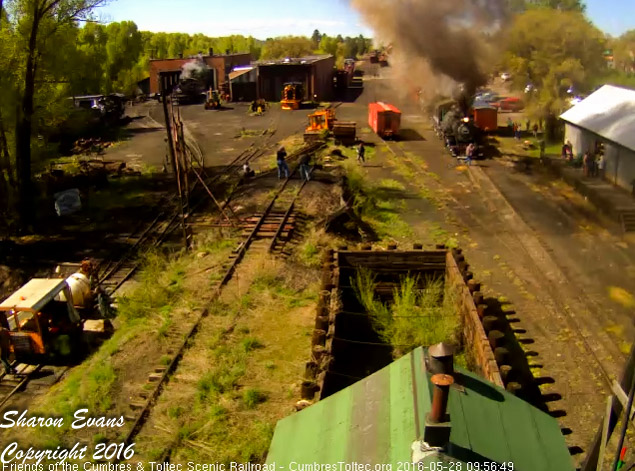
[[609, 112], [377, 420]]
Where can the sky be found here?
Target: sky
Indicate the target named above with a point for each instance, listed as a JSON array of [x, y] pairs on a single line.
[[269, 18]]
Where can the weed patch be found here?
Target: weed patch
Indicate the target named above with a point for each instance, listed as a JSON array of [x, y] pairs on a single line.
[[422, 312]]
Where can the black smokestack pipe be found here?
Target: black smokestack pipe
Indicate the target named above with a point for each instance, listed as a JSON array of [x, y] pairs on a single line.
[[211, 51], [441, 359]]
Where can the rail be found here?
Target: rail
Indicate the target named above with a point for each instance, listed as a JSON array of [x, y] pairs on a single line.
[[238, 256]]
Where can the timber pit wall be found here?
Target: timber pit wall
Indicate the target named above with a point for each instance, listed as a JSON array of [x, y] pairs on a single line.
[[480, 339]]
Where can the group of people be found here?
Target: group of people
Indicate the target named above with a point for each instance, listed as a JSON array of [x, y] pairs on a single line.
[[516, 128], [592, 162], [304, 164], [592, 165]]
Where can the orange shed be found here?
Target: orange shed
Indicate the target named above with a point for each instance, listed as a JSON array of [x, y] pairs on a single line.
[[486, 118], [384, 119]]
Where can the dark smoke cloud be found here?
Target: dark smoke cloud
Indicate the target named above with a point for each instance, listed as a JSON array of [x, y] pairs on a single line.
[[439, 46]]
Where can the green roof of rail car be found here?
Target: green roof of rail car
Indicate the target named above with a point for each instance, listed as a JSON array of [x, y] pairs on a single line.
[[377, 419]]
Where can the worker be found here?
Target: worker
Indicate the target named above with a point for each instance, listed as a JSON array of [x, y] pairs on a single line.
[[282, 164], [361, 151], [5, 349], [305, 169], [247, 171]]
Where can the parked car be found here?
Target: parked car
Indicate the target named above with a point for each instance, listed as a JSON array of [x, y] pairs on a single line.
[[509, 104], [505, 76], [530, 88]]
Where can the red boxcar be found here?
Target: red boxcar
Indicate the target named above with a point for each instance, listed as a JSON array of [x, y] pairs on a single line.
[[486, 118], [384, 119]]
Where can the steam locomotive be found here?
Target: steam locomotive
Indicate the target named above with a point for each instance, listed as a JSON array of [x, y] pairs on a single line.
[[456, 128]]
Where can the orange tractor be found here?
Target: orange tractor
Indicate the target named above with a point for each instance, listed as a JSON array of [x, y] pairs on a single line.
[[323, 122]]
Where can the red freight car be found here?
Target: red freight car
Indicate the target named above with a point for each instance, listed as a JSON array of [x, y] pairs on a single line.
[[486, 118], [384, 119]]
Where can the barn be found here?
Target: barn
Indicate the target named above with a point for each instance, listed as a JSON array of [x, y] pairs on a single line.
[[606, 118], [315, 72], [220, 64]]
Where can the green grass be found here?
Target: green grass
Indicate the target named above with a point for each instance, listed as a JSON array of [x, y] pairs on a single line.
[[144, 314], [377, 204], [251, 343], [415, 317], [252, 397], [250, 132]]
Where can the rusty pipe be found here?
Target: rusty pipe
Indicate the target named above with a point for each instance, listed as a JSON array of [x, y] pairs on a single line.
[[440, 395]]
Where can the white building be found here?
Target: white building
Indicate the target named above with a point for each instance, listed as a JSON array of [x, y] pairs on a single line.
[[606, 116]]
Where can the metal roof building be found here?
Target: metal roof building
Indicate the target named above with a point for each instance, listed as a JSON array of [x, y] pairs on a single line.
[[382, 420], [606, 117]]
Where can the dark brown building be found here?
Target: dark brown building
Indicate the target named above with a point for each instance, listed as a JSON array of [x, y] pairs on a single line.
[[221, 64], [315, 72]]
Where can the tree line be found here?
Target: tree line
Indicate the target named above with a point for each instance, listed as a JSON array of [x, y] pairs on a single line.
[[53, 49]]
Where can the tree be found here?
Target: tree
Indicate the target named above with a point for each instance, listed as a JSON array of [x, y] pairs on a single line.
[[554, 50], [287, 46], [519, 6], [36, 22], [315, 37], [624, 52]]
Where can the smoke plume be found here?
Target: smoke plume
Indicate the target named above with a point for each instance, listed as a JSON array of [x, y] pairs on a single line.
[[196, 69], [439, 47]]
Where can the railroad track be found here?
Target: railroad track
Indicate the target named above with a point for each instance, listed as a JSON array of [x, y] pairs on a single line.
[[115, 272], [574, 320], [10, 384], [274, 225]]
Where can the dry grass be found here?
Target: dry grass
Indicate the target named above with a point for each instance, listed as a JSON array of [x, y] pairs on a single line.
[[243, 371], [166, 297]]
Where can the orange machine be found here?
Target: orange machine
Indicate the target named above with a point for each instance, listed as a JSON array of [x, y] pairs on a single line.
[[320, 122], [292, 95], [41, 319], [323, 122]]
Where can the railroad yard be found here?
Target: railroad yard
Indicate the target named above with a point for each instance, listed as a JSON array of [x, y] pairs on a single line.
[[212, 345]]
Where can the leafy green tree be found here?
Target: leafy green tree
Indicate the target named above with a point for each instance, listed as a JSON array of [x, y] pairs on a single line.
[[287, 46], [624, 52], [554, 50], [316, 37], [328, 45], [36, 25]]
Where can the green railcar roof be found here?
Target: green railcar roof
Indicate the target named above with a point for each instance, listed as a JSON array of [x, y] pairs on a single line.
[[377, 420]]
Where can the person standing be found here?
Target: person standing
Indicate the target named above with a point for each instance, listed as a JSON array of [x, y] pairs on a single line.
[[469, 153], [528, 123], [585, 164], [361, 151], [305, 169], [282, 164], [535, 130]]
